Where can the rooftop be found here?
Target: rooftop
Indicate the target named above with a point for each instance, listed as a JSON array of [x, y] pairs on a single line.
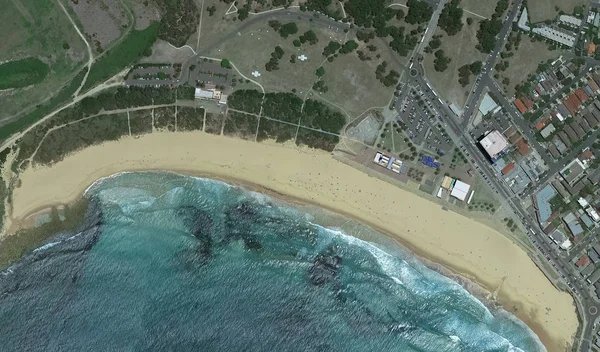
[[542, 200], [494, 144]]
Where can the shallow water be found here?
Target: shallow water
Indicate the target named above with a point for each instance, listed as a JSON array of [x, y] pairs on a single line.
[[172, 262]]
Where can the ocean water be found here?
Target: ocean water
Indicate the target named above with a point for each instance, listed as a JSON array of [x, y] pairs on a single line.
[[166, 262]]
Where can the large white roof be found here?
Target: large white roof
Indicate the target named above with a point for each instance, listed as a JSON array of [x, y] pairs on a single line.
[[460, 190], [494, 143]]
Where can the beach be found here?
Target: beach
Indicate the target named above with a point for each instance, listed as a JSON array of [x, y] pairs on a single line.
[[462, 245]]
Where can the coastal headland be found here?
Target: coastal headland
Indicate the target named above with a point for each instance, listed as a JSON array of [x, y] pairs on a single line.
[[462, 245]]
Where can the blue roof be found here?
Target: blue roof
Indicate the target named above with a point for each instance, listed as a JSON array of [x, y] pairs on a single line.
[[542, 198], [587, 221], [575, 228]]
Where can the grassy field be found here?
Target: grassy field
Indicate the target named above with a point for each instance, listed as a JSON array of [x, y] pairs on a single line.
[[461, 49], [484, 8], [214, 27], [22, 73], [252, 49], [122, 55], [525, 62], [540, 10], [39, 29], [353, 84]]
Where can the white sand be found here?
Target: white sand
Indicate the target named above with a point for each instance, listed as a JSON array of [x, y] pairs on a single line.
[[459, 243]]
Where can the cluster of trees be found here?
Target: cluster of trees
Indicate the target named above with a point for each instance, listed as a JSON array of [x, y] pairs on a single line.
[[418, 12], [119, 98], [211, 10], [490, 28], [365, 36], [331, 48], [465, 71], [276, 55], [288, 107], [248, 100], [441, 61], [348, 47], [178, 21], [284, 30], [308, 36], [323, 7], [388, 80], [451, 18]]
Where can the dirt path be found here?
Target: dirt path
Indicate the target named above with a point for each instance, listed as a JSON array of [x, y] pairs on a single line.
[[200, 25], [87, 44]]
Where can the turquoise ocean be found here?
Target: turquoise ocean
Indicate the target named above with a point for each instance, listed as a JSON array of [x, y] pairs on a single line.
[[167, 262]]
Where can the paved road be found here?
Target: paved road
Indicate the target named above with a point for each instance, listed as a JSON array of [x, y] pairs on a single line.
[[488, 66]]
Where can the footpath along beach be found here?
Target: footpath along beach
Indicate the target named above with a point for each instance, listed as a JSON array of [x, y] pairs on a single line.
[[464, 246]]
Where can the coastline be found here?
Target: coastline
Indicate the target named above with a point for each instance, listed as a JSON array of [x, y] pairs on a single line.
[[465, 247]]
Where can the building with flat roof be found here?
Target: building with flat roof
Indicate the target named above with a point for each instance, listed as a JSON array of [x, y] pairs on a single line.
[[488, 105], [495, 145], [573, 171], [556, 35], [547, 131], [460, 190], [570, 20], [542, 203], [447, 182]]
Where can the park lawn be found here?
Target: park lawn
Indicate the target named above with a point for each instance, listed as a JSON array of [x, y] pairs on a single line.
[[22, 73], [352, 83], [484, 8], [252, 49], [522, 64], [215, 27], [461, 49], [38, 29], [541, 10]]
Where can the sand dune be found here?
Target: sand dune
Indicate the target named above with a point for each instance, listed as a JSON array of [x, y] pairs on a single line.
[[461, 244]]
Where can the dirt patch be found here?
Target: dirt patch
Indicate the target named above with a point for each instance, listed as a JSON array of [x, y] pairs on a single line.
[[541, 10], [164, 52], [461, 49], [144, 14], [103, 21]]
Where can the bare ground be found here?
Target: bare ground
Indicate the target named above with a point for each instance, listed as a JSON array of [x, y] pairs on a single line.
[[540, 10], [102, 20]]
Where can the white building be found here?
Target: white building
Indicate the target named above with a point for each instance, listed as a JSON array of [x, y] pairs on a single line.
[[460, 190], [523, 20], [570, 20], [495, 145], [556, 35]]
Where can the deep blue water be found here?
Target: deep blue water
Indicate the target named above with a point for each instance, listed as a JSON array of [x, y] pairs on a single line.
[[166, 262]]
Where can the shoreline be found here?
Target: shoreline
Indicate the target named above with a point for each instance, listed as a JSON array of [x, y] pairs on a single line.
[[548, 312]]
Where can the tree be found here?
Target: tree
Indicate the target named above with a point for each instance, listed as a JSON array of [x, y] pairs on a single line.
[[451, 18], [486, 35], [309, 36], [348, 47], [441, 62], [331, 48], [288, 29], [211, 10], [275, 24], [435, 43], [225, 63], [320, 71], [297, 43], [475, 67], [418, 12], [469, 21]]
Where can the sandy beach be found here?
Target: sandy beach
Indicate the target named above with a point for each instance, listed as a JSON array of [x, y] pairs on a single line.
[[463, 245]]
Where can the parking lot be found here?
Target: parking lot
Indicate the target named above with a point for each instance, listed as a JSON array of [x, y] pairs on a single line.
[[423, 124]]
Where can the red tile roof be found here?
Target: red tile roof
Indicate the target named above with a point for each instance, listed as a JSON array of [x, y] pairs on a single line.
[[523, 147], [542, 123], [519, 104], [583, 260], [581, 95], [507, 168]]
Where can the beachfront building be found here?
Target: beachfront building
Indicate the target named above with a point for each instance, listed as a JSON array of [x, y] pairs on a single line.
[[495, 145], [542, 204], [209, 92], [460, 190]]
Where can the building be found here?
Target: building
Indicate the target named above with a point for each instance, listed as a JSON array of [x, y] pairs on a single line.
[[594, 277], [460, 190], [542, 203], [593, 214], [573, 171], [495, 145], [508, 168], [519, 104], [573, 224], [586, 221], [560, 239], [553, 34], [488, 105], [570, 20], [210, 93], [547, 131], [582, 261], [522, 147], [447, 183]]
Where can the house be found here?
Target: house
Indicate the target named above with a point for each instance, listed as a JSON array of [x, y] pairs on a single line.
[[562, 148], [571, 133], [508, 168], [522, 147], [578, 130], [581, 95], [563, 137], [520, 106], [582, 261], [573, 224], [552, 149], [547, 131], [573, 171]]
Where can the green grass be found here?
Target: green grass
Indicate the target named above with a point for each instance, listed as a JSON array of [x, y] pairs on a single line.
[[42, 110], [123, 54], [22, 73]]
